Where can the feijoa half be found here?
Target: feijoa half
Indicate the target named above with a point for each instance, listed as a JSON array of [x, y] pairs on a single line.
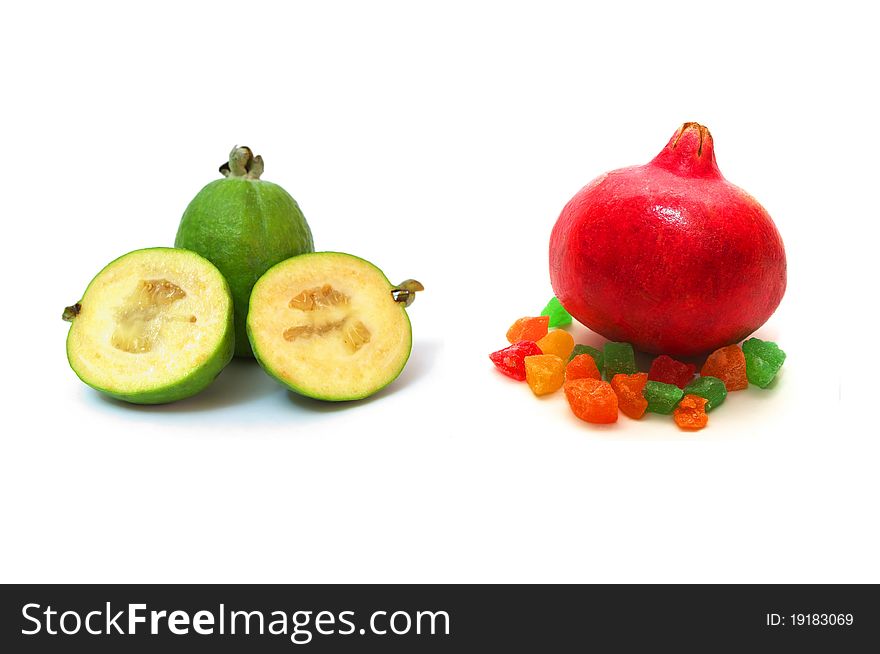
[[330, 325], [154, 326]]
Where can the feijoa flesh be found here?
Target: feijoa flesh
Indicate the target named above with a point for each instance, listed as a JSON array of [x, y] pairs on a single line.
[[244, 226], [153, 326], [330, 325]]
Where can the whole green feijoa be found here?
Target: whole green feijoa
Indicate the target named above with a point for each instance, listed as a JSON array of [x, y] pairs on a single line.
[[244, 226]]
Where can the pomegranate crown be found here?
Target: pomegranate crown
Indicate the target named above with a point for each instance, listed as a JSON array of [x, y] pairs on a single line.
[[689, 153]]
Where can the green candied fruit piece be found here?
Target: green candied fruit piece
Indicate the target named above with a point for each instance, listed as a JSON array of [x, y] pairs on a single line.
[[763, 361], [661, 397], [711, 388], [619, 359], [597, 355], [559, 317]]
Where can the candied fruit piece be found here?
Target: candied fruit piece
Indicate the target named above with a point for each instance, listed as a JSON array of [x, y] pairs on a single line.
[[582, 366], [558, 342], [763, 361], [729, 365], [510, 359], [661, 397], [592, 400], [619, 359], [597, 355], [670, 371], [711, 389], [628, 389], [690, 412], [545, 373], [528, 329], [559, 317]]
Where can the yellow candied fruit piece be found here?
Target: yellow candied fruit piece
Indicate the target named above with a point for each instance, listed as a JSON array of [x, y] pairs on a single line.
[[545, 373], [558, 342]]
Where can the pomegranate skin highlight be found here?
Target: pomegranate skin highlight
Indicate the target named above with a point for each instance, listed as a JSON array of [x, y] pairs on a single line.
[[668, 256]]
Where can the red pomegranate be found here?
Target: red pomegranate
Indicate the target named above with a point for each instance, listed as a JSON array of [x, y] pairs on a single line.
[[668, 256]]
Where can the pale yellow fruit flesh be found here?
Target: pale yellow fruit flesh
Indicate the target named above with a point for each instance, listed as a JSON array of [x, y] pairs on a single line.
[[325, 325]]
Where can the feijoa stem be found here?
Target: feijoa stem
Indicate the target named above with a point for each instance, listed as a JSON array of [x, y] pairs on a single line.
[[405, 292], [243, 163], [71, 312]]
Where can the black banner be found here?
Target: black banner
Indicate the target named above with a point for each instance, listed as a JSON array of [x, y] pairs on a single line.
[[436, 618]]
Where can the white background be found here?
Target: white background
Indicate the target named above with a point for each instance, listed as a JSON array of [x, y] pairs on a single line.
[[439, 141]]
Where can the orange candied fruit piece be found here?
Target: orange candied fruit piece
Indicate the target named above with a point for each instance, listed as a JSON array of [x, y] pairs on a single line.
[[582, 367], [545, 373], [528, 329], [558, 342], [727, 364], [628, 389], [691, 412], [592, 400]]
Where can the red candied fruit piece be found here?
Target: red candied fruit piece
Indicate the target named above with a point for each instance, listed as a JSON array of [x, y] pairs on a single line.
[[511, 360], [729, 365], [528, 329], [670, 371], [592, 400], [581, 367], [691, 412], [628, 389]]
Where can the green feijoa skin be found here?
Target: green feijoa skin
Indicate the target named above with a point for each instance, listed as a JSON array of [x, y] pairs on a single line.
[[330, 325], [244, 226], [154, 326]]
